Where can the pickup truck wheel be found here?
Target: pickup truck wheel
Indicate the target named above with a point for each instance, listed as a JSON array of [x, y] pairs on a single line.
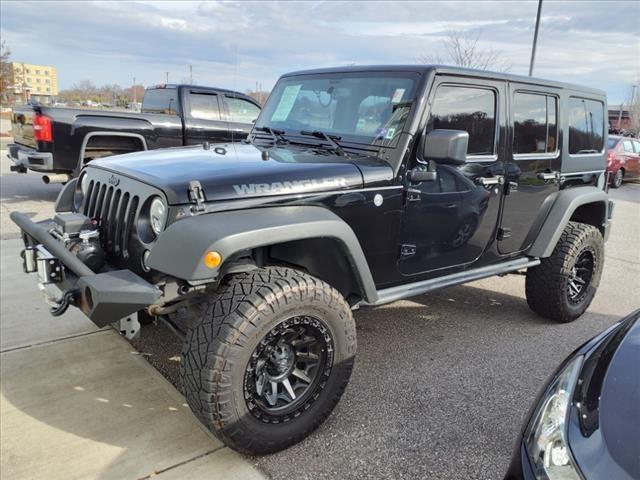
[[564, 284], [267, 358]]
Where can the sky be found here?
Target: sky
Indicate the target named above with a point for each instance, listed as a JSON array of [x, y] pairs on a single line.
[[236, 44]]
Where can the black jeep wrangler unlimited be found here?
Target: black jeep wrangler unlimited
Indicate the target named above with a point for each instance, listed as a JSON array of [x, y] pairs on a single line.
[[358, 186]]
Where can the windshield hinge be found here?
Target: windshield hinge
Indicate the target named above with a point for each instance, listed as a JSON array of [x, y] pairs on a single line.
[[196, 196]]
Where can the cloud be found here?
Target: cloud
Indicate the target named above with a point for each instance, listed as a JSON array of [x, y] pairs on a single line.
[[235, 44]]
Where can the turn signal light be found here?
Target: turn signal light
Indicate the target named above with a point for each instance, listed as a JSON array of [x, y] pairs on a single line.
[[212, 259]]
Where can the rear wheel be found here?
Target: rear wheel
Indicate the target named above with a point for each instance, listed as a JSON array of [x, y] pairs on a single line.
[[267, 358], [563, 285], [616, 182]]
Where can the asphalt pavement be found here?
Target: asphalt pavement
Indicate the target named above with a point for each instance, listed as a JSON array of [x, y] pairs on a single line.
[[442, 382]]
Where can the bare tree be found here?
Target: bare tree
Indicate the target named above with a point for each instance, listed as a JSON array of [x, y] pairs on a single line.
[[5, 74], [466, 51], [632, 100]]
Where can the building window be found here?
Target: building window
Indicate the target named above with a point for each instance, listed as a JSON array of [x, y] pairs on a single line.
[[586, 126], [534, 123], [46, 72], [37, 72], [470, 109], [48, 81], [28, 71], [48, 89], [37, 80]]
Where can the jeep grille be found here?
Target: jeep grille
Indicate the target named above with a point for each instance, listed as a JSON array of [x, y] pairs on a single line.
[[115, 211]]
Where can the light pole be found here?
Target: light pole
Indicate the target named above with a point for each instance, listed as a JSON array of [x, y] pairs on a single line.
[[135, 97], [535, 39]]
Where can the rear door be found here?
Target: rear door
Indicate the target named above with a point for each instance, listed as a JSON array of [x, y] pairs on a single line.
[[241, 114], [204, 118], [533, 163]]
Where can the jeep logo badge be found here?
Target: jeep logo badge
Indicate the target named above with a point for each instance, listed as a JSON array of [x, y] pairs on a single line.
[[113, 180]]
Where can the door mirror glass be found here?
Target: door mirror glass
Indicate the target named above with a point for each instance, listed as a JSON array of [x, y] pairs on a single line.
[[446, 146]]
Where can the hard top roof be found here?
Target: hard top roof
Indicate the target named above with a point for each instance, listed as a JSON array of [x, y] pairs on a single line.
[[451, 70]]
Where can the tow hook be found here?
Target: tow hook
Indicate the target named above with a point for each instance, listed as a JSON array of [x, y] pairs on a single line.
[[67, 299]]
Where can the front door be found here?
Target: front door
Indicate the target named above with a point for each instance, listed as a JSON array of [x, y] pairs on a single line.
[[450, 221], [533, 165], [204, 120]]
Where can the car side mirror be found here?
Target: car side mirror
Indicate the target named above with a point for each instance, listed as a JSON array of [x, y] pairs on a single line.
[[418, 175], [446, 146]]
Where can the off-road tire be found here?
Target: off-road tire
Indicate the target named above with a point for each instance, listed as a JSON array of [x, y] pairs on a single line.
[[225, 329], [616, 180], [547, 284]]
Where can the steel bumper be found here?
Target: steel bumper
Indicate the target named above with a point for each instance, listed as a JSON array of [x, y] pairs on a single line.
[[103, 297], [24, 158]]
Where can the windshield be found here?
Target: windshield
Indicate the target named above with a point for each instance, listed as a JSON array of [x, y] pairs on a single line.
[[612, 141], [362, 107]]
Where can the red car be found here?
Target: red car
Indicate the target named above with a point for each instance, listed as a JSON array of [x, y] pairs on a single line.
[[623, 160]]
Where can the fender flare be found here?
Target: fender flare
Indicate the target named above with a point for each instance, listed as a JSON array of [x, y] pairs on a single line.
[[180, 249], [107, 133], [566, 203]]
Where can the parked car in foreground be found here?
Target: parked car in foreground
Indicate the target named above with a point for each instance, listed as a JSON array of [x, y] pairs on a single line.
[[586, 423], [358, 186], [61, 141], [623, 159]]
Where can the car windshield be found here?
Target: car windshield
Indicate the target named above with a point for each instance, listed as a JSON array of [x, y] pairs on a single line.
[[362, 107], [611, 142]]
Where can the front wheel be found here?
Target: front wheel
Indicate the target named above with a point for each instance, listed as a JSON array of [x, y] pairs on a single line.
[[562, 287], [267, 358]]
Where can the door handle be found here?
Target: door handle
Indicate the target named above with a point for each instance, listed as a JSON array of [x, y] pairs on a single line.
[[488, 181], [546, 176]]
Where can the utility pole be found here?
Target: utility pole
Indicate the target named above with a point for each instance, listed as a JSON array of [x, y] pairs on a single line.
[[191, 74], [135, 96], [167, 77], [535, 39]]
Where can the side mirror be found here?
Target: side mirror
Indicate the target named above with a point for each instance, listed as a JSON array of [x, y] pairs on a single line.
[[418, 175], [446, 146]]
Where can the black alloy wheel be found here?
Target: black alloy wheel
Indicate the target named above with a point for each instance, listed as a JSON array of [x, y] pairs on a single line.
[[580, 277], [288, 368]]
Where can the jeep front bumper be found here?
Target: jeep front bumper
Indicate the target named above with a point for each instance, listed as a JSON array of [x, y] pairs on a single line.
[[103, 297]]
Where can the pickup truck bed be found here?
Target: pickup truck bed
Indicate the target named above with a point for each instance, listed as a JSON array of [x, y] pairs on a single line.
[[61, 140]]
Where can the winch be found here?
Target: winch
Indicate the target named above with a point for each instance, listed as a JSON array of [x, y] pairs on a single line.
[[80, 236]]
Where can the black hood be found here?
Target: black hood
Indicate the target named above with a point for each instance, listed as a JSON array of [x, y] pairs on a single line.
[[239, 170]]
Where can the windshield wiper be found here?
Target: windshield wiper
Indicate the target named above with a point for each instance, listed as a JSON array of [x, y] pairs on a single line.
[[276, 135], [332, 139]]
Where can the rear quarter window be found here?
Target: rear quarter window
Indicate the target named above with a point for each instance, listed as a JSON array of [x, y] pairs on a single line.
[[586, 126]]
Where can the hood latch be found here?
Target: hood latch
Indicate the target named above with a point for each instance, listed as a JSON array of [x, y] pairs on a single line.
[[196, 196]]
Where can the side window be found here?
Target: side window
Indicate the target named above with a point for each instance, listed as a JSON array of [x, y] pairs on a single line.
[[627, 146], [160, 100], [204, 106], [470, 109], [636, 145], [242, 111], [586, 125], [534, 123]]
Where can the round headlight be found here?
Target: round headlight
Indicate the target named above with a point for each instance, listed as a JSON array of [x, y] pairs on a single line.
[[157, 215], [84, 184]]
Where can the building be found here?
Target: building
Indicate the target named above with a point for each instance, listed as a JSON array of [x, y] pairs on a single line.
[[619, 117], [34, 83]]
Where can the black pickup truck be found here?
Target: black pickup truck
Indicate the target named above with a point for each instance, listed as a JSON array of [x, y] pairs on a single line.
[[60, 141]]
